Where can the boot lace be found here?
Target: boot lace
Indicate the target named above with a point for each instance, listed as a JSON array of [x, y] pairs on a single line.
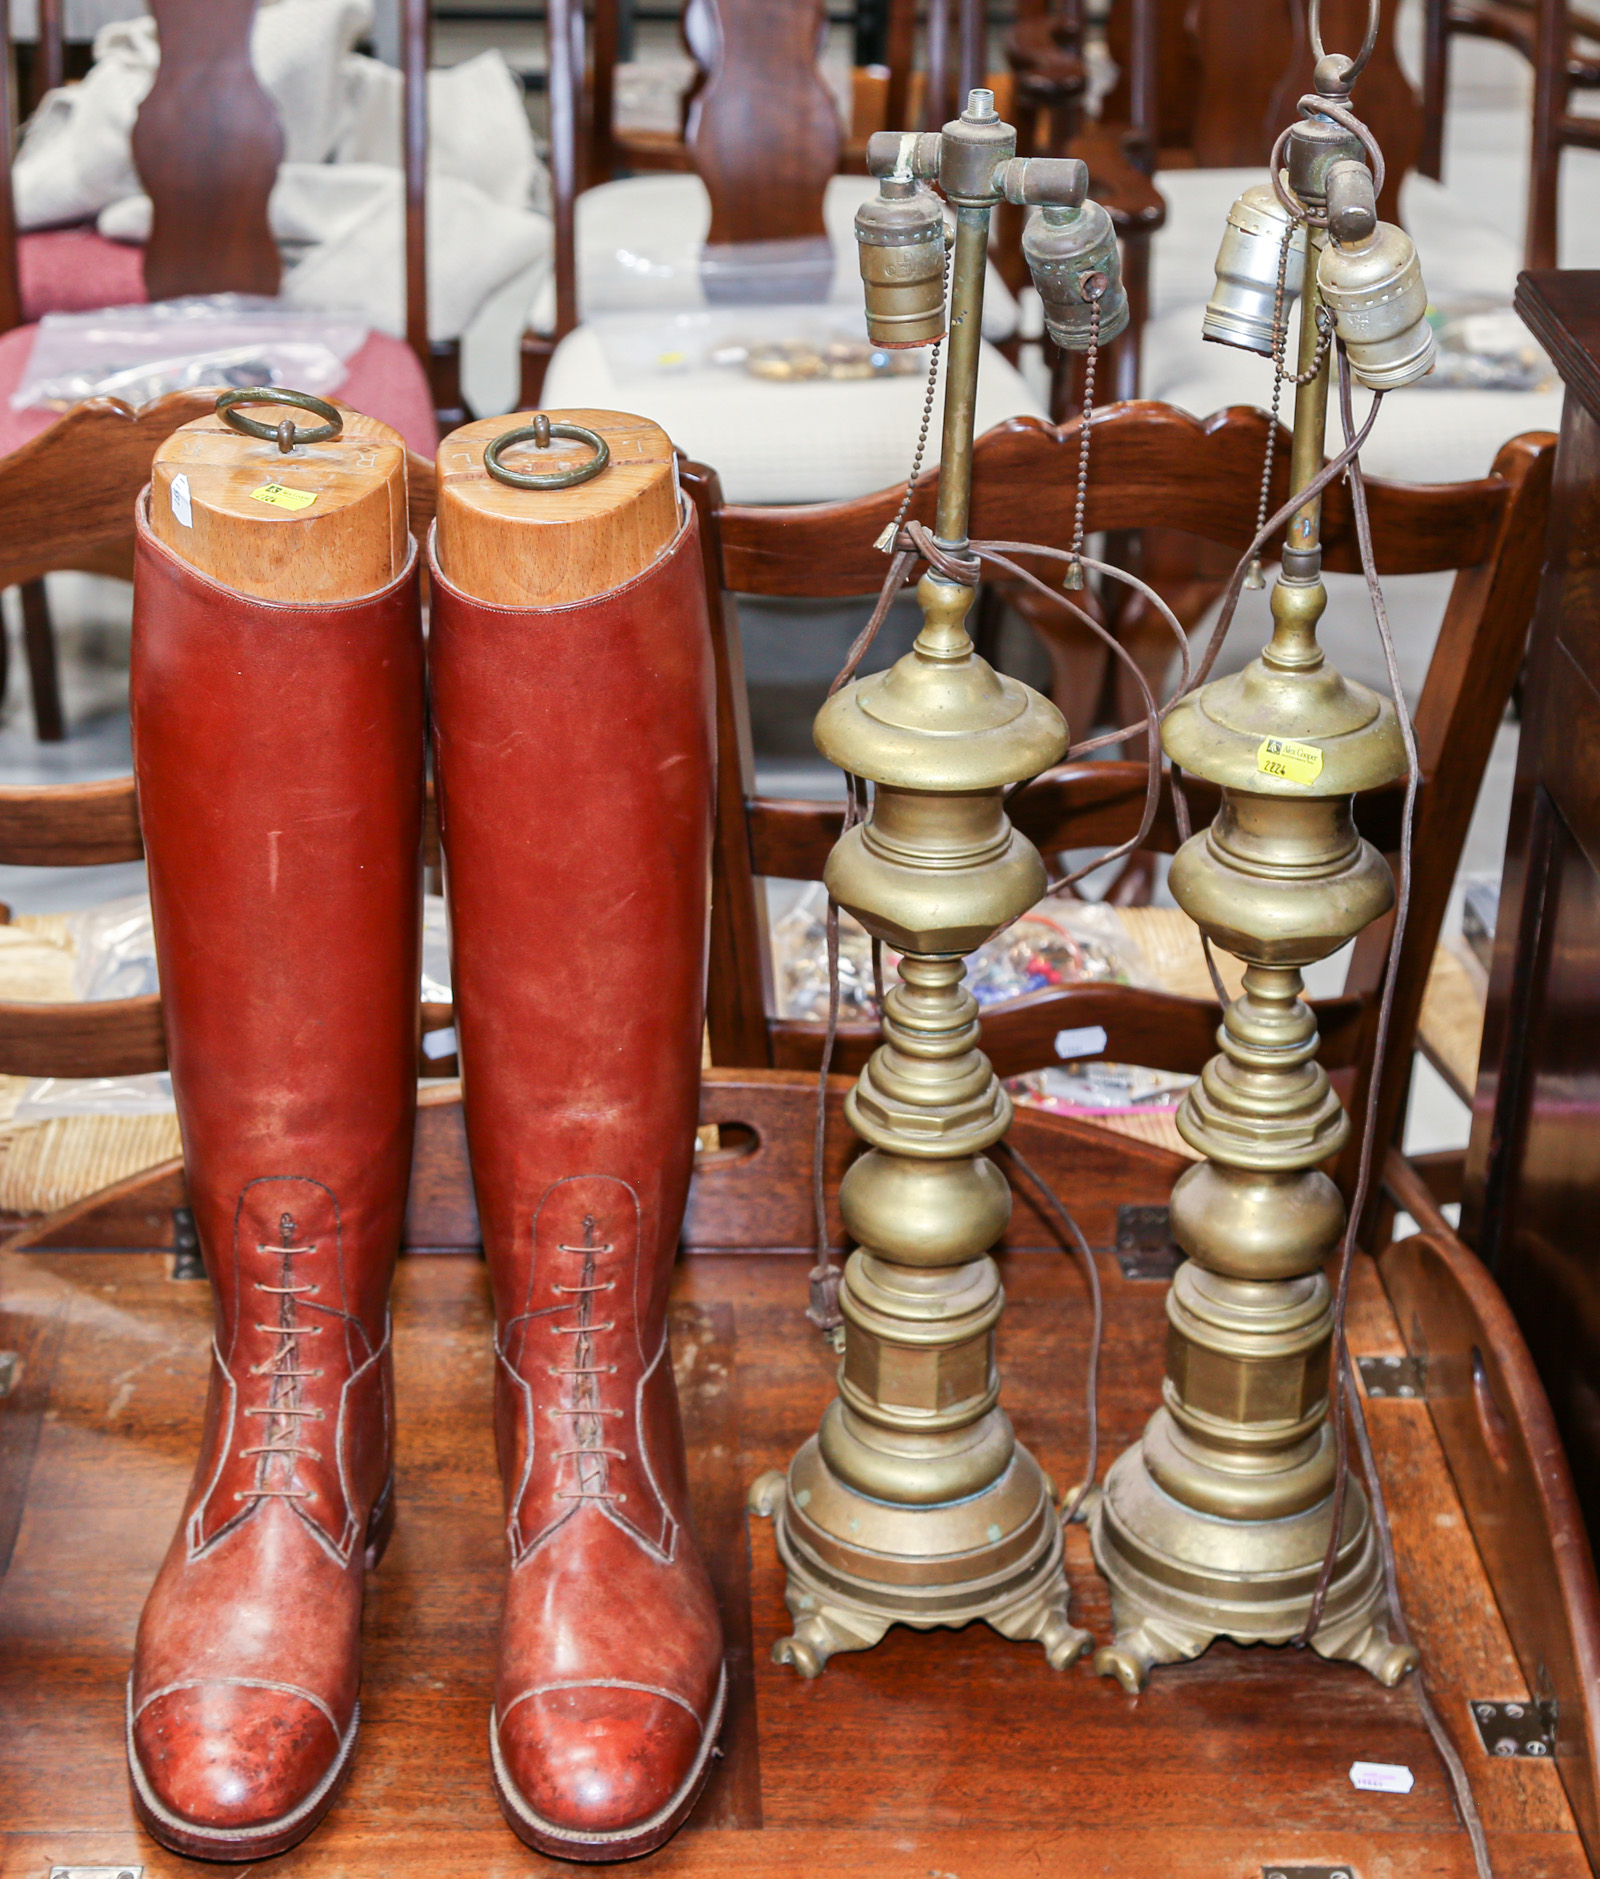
[[283, 1409], [587, 1448]]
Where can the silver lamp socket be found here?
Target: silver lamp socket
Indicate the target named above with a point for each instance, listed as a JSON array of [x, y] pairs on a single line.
[[1374, 290], [1240, 310]]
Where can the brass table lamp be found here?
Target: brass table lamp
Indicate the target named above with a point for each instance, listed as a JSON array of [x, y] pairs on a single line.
[[915, 1504], [1216, 1524]]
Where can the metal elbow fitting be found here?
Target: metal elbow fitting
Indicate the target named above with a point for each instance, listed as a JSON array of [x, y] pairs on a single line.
[[1241, 308], [900, 243], [1073, 257], [1374, 290]]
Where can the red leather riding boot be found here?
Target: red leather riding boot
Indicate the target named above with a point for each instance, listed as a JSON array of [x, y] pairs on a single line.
[[573, 758], [279, 753]]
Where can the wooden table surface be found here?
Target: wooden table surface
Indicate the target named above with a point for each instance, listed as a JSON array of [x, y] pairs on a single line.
[[936, 1755]]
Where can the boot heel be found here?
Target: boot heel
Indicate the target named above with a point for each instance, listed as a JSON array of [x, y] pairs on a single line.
[[380, 1528]]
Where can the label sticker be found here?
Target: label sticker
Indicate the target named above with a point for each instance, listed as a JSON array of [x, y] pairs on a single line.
[[282, 498], [1382, 1777], [182, 507], [1088, 1040], [1296, 763]]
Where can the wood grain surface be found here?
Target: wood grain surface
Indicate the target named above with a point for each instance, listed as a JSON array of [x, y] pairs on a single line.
[[543, 548], [349, 539], [942, 1753]]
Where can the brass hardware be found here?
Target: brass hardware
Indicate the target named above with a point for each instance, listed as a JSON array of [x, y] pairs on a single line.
[[186, 1260], [900, 243], [1145, 1248], [1073, 257], [1405, 1377], [1516, 1730], [1373, 288], [1216, 1523], [539, 434], [283, 434], [915, 1504]]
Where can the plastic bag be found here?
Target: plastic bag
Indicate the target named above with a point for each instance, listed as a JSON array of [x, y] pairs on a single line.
[[1061, 942], [47, 1098], [780, 343], [1484, 346], [143, 352], [1100, 1088]]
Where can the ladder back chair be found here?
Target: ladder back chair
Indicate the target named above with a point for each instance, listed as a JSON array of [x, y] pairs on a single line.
[[1203, 479]]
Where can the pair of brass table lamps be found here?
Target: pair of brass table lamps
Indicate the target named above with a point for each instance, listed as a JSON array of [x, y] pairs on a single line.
[[915, 1504]]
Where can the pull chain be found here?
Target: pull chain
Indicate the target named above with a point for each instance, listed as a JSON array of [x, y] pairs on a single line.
[[1093, 288]]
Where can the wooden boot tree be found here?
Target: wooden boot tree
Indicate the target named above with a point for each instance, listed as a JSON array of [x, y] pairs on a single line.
[[544, 548], [322, 522]]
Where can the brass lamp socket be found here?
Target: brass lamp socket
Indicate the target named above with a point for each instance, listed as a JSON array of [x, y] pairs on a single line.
[[1249, 261], [900, 243], [1375, 292], [1069, 253]]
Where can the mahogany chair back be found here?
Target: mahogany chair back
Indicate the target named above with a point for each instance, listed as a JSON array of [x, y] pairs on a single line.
[[1564, 52], [1216, 80], [207, 144], [890, 91], [1203, 479], [760, 127]]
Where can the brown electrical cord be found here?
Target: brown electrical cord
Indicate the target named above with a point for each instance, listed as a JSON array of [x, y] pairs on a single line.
[[1344, 1396]]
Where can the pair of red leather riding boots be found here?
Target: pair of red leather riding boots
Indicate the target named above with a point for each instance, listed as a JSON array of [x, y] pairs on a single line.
[[280, 760]]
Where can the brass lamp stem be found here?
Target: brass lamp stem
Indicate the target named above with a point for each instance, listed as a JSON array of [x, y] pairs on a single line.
[[968, 273], [1310, 421]]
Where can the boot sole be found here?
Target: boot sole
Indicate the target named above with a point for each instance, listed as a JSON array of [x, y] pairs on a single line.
[[544, 1836], [178, 1835]]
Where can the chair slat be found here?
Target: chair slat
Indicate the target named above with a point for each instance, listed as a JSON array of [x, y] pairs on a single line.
[[1151, 464], [117, 1037]]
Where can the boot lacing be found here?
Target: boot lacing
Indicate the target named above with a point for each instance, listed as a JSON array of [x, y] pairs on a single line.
[[589, 1452], [280, 1438]]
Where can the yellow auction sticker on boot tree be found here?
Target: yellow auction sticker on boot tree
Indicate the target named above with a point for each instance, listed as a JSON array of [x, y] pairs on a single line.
[[1295, 763], [282, 498]]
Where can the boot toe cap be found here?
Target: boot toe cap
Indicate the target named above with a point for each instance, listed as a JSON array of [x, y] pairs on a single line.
[[229, 1756], [595, 1758]]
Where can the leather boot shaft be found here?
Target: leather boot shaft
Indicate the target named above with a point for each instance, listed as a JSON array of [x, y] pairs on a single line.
[[574, 759], [278, 750]]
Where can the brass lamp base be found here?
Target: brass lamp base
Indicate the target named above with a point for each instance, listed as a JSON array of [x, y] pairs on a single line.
[[1181, 1578], [856, 1566]]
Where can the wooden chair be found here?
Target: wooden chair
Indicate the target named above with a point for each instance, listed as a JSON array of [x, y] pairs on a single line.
[[764, 139], [1202, 478], [889, 90], [207, 144], [1562, 44]]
